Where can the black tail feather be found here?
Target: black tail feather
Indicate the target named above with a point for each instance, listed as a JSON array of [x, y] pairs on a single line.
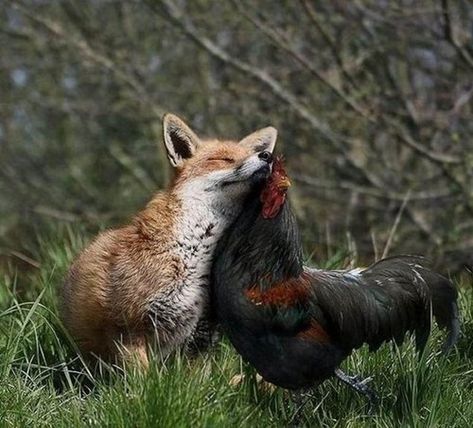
[[440, 291], [390, 298], [453, 327]]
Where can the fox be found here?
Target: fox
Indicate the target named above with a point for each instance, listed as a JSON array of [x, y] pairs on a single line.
[[145, 285]]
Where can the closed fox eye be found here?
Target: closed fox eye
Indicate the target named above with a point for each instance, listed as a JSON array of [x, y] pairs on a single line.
[[228, 160]]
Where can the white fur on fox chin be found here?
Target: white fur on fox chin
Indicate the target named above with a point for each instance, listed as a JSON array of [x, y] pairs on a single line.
[[206, 212]]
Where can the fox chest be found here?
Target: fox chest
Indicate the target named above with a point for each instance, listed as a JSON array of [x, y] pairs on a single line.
[[199, 233], [177, 310]]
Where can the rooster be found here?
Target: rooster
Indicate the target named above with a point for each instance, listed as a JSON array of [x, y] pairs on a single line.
[[295, 324]]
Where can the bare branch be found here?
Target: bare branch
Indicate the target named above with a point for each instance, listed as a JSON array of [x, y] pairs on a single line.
[[450, 35], [385, 194], [280, 41], [406, 138], [340, 142], [86, 50], [393, 230], [261, 76], [330, 43]]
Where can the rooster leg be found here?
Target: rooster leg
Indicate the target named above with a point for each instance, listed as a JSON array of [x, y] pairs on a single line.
[[361, 386]]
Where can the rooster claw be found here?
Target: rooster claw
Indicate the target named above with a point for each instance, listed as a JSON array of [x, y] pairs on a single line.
[[360, 385]]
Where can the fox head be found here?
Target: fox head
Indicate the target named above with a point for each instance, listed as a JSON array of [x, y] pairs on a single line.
[[217, 170]]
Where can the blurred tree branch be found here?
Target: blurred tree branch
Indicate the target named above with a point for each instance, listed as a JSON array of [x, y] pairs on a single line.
[[261, 76], [372, 100], [84, 48], [450, 34]]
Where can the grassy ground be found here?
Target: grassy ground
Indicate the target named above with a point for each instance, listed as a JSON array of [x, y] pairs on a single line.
[[44, 383]]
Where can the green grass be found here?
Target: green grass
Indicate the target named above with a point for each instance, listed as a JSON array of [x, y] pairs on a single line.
[[44, 383]]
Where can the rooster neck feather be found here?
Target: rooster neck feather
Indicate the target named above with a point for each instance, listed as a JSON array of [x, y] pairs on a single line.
[[271, 245]]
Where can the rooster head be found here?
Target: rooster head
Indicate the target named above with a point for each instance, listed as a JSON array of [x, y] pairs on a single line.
[[275, 189]]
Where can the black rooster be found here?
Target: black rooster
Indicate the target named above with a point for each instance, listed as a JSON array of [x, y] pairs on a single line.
[[296, 324]]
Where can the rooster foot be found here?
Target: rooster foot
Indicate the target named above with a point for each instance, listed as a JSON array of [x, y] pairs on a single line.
[[361, 386]]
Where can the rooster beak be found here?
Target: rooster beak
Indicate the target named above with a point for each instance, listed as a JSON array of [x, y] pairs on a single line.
[[285, 183]]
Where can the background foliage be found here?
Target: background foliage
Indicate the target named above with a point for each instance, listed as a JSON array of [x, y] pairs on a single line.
[[372, 100]]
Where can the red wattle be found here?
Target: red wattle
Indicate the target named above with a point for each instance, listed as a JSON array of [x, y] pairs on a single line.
[[272, 206]]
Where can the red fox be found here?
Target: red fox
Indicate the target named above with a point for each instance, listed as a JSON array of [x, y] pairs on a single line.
[[147, 283]]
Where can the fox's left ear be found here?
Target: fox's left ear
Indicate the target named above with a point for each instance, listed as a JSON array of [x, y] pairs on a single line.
[[261, 140], [180, 141]]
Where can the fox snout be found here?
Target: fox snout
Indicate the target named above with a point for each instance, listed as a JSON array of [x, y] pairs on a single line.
[[257, 166], [264, 170], [253, 169], [267, 158]]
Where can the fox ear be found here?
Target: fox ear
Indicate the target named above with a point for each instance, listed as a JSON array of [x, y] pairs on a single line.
[[261, 140], [180, 141]]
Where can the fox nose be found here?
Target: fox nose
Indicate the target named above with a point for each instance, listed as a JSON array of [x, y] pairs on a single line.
[[266, 156]]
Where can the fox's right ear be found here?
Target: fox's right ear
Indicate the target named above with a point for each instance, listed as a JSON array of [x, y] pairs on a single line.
[[180, 141], [264, 139]]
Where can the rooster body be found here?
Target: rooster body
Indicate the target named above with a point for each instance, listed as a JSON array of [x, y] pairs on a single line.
[[296, 324]]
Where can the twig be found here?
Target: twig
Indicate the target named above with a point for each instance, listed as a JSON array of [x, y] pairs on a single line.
[[406, 138], [261, 76], [25, 258], [330, 43], [56, 214], [395, 225], [423, 226], [281, 42], [375, 245], [450, 35], [83, 47], [385, 193], [338, 141]]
